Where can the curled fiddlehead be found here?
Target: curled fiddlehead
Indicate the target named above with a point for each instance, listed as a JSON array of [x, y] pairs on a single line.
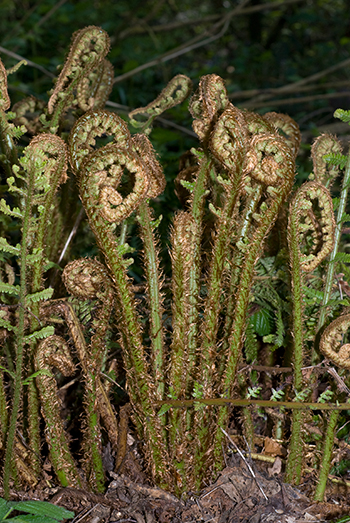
[[94, 89], [311, 229], [228, 141], [88, 279], [209, 101], [325, 172], [112, 161], [89, 46], [145, 151], [53, 352], [331, 343], [177, 90], [315, 234], [99, 175], [27, 113], [93, 124], [5, 101], [288, 127]]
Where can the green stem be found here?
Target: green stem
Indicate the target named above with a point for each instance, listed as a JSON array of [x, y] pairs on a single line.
[[20, 342], [155, 300], [327, 456], [331, 264]]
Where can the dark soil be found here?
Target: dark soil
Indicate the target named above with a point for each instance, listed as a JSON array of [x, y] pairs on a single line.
[[238, 496]]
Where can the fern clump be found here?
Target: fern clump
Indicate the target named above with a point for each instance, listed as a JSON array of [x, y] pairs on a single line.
[[258, 295]]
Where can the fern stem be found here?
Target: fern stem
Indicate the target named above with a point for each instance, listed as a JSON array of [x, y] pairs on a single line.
[[331, 264], [327, 456], [156, 309], [20, 341]]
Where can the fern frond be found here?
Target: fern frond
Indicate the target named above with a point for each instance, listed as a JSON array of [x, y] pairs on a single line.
[[344, 116], [45, 294], [41, 334], [336, 159], [10, 249], [343, 257], [6, 209], [6, 288]]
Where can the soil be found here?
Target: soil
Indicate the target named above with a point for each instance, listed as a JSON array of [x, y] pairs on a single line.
[[239, 495]]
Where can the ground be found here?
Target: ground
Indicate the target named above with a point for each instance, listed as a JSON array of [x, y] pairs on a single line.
[[239, 495]]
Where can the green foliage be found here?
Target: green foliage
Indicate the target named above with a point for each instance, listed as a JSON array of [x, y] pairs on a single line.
[[36, 512]]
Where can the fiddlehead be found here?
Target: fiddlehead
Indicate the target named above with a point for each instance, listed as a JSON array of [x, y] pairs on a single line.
[[177, 90], [145, 151], [27, 113], [311, 236], [113, 161], [94, 89], [88, 279], [288, 127], [8, 131], [331, 343], [206, 105], [311, 228], [53, 352], [97, 189], [325, 172], [5, 101], [93, 124], [89, 46]]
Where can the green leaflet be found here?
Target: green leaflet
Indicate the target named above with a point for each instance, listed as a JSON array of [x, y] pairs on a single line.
[[6, 247], [6, 288], [41, 334], [45, 294]]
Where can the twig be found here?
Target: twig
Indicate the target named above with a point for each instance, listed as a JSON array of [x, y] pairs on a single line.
[[29, 62], [183, 49], [160, 119], [246, 463], [139, 29]]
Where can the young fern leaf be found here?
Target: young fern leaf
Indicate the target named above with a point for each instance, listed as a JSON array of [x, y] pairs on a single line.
[[99, 176], [331, 343], [177, 90], [53, 352], [307, 249], [89, 46], [94, 89], [324, 148]]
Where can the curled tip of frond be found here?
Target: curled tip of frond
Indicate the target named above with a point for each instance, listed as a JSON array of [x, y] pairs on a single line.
[[101, 174], [331, 343], [94, 89], [4, 96], [206, 105], [85, 278], [89, 46], [320, 226], [290, 129], [269, 160], [54, 352], [27, 113], [175, 92], [52, 146], [325, 172], [188, 169], [82, 138], [228, 140], [145, 150], [256, 123]]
